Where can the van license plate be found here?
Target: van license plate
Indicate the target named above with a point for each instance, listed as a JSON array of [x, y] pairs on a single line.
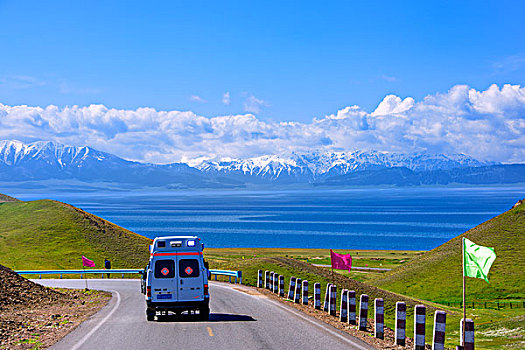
[[164, 296]]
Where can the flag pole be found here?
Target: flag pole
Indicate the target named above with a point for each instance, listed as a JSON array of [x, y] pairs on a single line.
[[85, 277], [464, 291]]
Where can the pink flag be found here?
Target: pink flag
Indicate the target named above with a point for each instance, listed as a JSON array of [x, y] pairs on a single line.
[[341, 261], [86, 262]]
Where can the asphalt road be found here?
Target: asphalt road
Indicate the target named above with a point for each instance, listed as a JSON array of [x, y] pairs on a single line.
[[238, 320]]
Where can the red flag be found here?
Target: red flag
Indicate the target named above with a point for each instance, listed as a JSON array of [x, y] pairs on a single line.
[[86, 262], [341, 261]]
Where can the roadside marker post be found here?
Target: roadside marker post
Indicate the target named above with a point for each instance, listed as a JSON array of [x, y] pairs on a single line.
[[379, 318], [317, 296], [305, 292], [276, 283], [266, 278], [343, 311], [419, 327], [259, 279], [270, 285], [468, 341], [351, 307], [281, 285], [298, 285], [438, 341], [401, 314], [326, 296], [363, 312], [291, 288], [333, 300]]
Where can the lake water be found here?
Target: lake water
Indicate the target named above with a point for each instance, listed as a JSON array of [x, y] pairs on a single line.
[[399, 218]]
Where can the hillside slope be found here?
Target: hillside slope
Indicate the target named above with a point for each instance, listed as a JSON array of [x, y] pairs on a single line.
[[437, 274], [47, 234], [6, 198]]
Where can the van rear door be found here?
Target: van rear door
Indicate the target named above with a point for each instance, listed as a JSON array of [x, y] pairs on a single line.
[[165, 288], [191, 286]]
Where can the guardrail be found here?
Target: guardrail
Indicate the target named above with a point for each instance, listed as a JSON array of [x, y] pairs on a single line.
[[235, 274], [78, 272]]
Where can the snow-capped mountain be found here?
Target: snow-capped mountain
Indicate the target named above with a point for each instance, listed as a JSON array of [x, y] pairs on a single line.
[[49, 160], [16, 153], [311, 166]]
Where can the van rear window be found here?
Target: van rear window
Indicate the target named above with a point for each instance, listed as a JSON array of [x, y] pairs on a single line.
[[164, 269], [188, 268]]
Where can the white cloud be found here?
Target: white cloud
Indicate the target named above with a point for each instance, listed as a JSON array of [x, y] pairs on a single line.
[[226, 98], [254, 105], [489, 125], [389, 78], [197, 98]]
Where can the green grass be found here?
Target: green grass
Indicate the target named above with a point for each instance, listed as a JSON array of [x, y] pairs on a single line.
[[46, 234], [52, 235], [437, 275]]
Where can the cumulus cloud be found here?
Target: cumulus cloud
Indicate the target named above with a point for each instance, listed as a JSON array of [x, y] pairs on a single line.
[[226, 98], [253, 104], [489, 125], [197, 98]]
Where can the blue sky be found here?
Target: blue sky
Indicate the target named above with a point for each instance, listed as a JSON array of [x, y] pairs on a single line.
[[170, 81], [303, 59]]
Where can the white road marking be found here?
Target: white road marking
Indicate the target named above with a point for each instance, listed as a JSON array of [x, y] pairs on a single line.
[[86, 337], [300, 315]]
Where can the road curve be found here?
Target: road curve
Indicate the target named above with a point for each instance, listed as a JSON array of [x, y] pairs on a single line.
[[238, 320]]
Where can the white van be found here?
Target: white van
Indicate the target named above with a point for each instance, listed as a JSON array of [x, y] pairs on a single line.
[[176, 278]]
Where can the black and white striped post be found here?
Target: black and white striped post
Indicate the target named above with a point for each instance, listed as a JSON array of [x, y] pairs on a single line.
[[333, 300], [291, 288], [351, 307], [259, 279], [468, 342], [343, 311], [270, 285], [317, 295], [266, 278], [305, 292], [275, 283], [363, 312], [326, 297], [379, 318], [298, 284], [419, 327], [438, 341], [401, 315], [281, 285]]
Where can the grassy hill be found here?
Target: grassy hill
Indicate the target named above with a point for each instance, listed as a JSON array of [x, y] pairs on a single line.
[[6, 198], [47, 234], [437, 275]]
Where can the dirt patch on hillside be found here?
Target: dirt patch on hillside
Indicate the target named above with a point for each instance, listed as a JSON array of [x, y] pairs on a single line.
[[33, 316]]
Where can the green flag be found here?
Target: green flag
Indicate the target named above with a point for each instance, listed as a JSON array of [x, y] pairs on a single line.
[[478, 260]]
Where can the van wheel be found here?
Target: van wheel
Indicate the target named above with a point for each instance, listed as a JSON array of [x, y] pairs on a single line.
[[150, 314], [204, 313]]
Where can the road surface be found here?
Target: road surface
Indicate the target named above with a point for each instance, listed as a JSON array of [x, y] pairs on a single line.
[[239, 319]]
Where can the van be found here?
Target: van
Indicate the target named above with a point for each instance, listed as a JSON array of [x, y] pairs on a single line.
[[176, 278]]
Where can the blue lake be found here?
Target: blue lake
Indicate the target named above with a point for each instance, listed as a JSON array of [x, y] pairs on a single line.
[[398, 218]]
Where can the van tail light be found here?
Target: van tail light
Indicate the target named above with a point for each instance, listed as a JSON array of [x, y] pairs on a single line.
[[148, 291], [205, 289]]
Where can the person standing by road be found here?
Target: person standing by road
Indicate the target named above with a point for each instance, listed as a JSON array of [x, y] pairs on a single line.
[[107, 265]]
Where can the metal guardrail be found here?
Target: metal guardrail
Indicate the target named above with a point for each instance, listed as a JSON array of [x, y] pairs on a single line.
[[235, 274], [78, 272]]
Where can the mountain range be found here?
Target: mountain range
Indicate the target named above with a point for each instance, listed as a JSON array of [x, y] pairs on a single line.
[[45, 160]]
